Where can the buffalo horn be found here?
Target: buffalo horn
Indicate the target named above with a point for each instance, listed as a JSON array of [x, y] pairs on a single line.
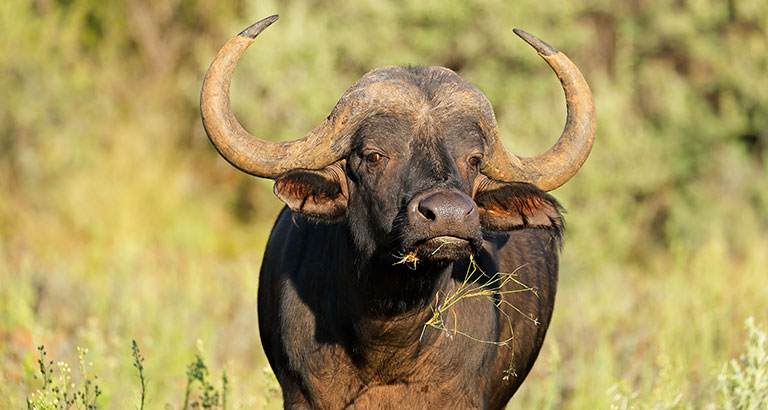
[[246, 152], [556, 166]]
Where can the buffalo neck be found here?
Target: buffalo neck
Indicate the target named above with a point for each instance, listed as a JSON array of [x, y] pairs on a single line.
[[388, 303]]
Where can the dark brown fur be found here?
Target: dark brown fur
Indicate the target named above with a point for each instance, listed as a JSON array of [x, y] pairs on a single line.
[[342, 323]]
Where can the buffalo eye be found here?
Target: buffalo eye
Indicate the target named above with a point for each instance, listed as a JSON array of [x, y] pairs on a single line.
[[474, 161], [373, 157]]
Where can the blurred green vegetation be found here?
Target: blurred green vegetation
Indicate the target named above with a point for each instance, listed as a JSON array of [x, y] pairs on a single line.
[[119, 221]]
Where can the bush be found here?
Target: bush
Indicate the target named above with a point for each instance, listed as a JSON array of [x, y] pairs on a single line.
[[743, 383]]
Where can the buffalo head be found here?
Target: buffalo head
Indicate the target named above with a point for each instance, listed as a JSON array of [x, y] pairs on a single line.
[[409, 157]]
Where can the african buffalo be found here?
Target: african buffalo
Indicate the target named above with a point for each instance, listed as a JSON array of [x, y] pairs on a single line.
[[415, 264]]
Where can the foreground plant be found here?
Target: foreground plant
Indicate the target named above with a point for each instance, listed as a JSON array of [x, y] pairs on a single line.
[[60, 393], [743, 383], [209, 397], [138, 363]]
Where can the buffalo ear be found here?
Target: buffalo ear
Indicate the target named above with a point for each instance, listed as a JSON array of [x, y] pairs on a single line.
[[317, 193], [504, 206]]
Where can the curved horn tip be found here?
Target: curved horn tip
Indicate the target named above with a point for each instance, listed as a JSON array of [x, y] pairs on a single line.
[[256, 28], [541, 47]]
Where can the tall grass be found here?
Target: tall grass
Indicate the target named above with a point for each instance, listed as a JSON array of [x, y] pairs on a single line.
[[742, 384], [118, 221]]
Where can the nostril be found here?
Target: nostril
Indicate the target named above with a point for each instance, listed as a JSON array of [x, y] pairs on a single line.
[[469, 210], [426, 212]]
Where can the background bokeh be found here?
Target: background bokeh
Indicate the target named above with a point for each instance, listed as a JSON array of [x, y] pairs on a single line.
[[119, 221]]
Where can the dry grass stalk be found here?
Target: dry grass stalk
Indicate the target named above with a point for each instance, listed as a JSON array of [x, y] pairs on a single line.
[[409, 259], [493, 289]]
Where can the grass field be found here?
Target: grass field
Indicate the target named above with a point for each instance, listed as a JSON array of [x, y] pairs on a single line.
[[119, 222]]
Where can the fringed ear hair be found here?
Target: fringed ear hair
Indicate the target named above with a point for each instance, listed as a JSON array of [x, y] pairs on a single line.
[[507, 206], [320, 194]]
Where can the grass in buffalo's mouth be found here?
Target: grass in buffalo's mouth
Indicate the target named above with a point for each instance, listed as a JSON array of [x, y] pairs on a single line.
[[410, 258], [443, 242], [477, 283]]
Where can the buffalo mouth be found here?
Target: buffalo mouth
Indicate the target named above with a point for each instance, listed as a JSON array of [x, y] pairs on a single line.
[[443, 248]]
